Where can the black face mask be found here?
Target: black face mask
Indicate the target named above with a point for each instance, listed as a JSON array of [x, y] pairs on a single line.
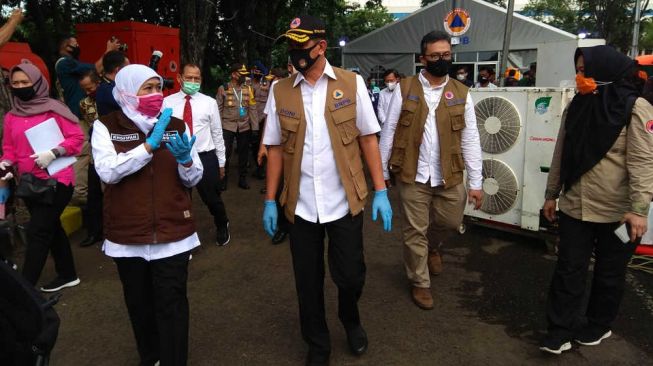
[[301, 59], [74, 52], [24, 94], [483, 80], [438, 68]]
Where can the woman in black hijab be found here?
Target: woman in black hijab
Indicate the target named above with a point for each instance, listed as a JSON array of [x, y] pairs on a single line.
[[602, 173]]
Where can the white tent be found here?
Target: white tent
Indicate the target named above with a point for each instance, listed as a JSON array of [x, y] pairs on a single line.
[[397, 44]]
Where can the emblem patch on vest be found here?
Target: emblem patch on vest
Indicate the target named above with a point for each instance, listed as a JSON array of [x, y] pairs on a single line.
[[413, 98], [338, 94], [342, 103], [124, 138], [448, 95], [287, 113], [649, 126], [453, 102], [168, 135]]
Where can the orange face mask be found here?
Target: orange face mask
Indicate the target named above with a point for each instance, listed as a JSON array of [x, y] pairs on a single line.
[[585, 85]]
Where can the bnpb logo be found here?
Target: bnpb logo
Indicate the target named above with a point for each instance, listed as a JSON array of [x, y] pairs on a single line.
[[457, 22]]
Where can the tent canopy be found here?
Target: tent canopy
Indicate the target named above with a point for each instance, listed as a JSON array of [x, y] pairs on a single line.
[[485, 31]]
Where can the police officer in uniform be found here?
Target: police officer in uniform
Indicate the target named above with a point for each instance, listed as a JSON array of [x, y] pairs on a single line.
[[89, 82], [239, 117], [261, 85], [318, 123]]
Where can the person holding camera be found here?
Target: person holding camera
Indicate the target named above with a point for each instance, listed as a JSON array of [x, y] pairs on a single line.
[[45, 195]]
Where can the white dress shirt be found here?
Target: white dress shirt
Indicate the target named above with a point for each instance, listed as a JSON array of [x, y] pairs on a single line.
[[428, 164], [478, 85], [384, 103], [322, 197], [112, 167], [207, 126]]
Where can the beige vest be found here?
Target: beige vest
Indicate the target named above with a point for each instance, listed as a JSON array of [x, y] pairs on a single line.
[[340, 114], [450, 121]]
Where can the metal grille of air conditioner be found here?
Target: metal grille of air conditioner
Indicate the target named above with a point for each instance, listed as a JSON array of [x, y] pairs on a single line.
[[499, 124], [500, 187]]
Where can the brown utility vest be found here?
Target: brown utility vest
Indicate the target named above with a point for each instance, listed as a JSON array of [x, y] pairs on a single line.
[[151, 206], [340, 115], [450, 121]]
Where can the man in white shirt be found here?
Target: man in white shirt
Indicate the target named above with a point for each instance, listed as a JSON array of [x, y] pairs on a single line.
[[391, 79], [318, 123], [201, 114], [428, 150], [485, 78]]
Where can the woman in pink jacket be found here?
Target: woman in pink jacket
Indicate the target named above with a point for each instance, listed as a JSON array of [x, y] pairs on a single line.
[[32, 106]]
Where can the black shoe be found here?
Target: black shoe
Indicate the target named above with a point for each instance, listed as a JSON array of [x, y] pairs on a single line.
[[59, 283], [90, 240], [279, 237], [317, 359], [357, 340], [242, 183], [223, 236], [592, 335], [554, 344]]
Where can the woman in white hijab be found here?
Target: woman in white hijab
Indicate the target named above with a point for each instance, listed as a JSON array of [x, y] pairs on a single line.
[[148, 222]]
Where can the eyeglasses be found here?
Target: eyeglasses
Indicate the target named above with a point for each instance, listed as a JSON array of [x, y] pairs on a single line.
[[437, 56]]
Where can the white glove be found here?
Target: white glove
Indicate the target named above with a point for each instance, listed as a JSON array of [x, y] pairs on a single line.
[[43, 159], [3, 166]]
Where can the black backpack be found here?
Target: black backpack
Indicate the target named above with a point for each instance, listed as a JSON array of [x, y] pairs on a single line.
[[29, 325]]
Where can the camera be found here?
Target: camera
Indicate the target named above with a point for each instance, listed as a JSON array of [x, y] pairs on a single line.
[[154, 65]]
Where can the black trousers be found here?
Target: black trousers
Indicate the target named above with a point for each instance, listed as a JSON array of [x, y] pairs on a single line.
[[577, 241], [347, 267], [45, 234], [94, 203], [155, 295], [242, 139], [209, 188]]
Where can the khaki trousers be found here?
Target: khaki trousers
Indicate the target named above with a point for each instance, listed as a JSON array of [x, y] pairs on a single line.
[[80, 168], [427, 213]]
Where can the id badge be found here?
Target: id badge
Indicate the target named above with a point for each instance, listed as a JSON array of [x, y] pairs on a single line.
[[242, 111]]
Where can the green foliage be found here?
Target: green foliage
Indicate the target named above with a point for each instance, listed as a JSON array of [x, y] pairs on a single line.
[[495, 2]]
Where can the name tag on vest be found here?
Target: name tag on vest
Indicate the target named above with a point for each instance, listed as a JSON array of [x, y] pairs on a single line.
[[124, 138], [287, 113], [413, 98], [453, 102], [342, 103]]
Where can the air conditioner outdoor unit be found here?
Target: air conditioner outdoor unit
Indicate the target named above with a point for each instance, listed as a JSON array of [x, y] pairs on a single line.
[[518, 128]]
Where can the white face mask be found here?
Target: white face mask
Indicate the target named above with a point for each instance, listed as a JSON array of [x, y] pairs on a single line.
[[461, 77], [391, 85]]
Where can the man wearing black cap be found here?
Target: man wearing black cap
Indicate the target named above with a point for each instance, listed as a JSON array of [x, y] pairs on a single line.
[[238, 113], [318, 123]]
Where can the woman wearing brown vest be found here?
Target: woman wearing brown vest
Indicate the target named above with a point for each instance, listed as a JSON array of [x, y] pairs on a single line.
[[148, 222]]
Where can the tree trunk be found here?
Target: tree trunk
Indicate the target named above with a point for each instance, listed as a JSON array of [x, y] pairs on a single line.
[[195, 18]]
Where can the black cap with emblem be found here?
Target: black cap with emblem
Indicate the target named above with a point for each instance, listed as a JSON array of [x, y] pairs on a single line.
[[305, 27]]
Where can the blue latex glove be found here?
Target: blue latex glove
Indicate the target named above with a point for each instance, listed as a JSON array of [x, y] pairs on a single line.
[[270, 217], [159, 129], [381, 203], [180, 147], [4, 194]]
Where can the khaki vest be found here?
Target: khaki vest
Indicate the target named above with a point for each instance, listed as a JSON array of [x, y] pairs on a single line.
[[340, 115], [450, 121]]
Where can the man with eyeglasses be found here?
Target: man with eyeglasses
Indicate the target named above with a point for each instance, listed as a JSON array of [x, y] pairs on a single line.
[[429, 138], [201, 114]]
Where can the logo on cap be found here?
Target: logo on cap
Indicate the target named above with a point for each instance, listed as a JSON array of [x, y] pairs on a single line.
[[338, 94], [295, 23]]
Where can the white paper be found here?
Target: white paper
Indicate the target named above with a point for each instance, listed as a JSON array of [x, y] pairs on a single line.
[[622, 233], [647, 238], [46, 136]]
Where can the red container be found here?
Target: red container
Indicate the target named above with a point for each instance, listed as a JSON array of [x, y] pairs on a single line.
[[141, 40], [13, 53]]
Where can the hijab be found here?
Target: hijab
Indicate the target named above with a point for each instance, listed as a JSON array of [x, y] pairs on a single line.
[[128, 80], [41, 103], [594, 121]]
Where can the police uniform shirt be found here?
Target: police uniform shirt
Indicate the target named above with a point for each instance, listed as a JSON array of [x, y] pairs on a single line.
[[428, 165], [207, 127], [321, 193]]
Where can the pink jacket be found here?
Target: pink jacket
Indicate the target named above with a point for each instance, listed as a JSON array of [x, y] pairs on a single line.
[[17, 149]]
